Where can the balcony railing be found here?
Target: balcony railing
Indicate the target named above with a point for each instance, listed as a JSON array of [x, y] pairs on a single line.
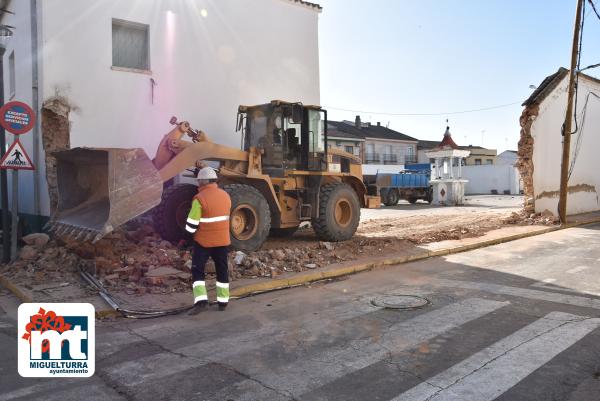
[[372, 158], [410, 159], [390, 159]]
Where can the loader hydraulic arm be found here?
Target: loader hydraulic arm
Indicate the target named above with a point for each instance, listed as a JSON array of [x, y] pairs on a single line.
[[175, 155]]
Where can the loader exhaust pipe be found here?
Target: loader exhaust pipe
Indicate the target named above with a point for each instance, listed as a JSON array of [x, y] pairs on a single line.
[[100, 189]]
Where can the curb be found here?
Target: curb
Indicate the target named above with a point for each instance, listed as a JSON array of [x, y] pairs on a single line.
[[279, 284], [24, 298], [309, 277], [14, 289]]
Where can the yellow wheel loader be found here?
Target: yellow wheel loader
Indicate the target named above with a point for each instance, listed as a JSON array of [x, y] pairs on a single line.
[[283, 174]]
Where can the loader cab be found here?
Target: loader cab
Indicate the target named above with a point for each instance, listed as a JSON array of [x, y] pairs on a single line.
[[291, 136]]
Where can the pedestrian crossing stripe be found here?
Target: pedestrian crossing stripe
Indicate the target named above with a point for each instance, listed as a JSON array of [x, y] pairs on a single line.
[[16, 158], [481, 374]]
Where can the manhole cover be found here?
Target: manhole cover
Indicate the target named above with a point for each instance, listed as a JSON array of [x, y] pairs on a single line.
[[400, 301]]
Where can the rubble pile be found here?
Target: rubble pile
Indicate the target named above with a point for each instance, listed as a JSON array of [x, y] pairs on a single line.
[[136, 261], [526, 218]]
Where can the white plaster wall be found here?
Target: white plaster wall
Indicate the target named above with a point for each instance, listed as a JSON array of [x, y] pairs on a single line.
[[422, 156], [547, 150], [483, 179], [242, 52], [372, 169]]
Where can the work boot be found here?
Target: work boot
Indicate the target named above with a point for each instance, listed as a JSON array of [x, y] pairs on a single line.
[[197, 308], [222, 306]]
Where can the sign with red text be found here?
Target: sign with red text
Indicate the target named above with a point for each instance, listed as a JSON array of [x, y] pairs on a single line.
[[17, 117]]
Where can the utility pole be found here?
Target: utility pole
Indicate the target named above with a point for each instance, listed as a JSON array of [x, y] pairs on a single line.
[[564, 170], [3, 176]]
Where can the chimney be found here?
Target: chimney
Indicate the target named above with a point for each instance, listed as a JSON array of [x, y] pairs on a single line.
[[378, 124], [357, 122]]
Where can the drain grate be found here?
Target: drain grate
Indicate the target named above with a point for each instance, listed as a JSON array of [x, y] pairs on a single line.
[[399, 301]]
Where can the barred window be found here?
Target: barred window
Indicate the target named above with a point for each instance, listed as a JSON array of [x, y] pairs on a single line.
[[130, 45]]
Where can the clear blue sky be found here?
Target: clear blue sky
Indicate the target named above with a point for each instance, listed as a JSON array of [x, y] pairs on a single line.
[[430, 56]]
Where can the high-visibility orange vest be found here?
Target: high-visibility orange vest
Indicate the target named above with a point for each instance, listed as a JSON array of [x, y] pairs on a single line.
[[213, 229]]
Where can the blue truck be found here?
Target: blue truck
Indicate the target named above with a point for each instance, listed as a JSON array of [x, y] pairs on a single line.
[[410, 184]]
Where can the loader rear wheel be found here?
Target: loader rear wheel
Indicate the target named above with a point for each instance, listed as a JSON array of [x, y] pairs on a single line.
[[171, 214], [339, 213], [392, 198], [250, 219]]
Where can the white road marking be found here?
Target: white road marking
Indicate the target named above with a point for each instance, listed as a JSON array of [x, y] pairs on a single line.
[[577, 269], [522, 292], [317, 370], [4, 325], [496, 369], [136, 371], [409, 332]]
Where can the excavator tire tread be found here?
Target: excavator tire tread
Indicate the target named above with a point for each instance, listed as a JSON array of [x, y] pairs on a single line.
[[165, 223], [247, 194], [324, 225]]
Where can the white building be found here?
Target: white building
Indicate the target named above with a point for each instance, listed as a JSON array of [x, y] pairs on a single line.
[[540, 147], [507, 158], [126, 66]]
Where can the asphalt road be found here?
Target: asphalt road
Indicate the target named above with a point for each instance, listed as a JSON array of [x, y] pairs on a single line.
[[517, 321]]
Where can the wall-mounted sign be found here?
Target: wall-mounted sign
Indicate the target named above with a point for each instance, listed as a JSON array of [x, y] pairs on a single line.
[[16, 158], [17, 117]]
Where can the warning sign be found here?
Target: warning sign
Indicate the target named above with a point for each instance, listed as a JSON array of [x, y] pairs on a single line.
[[16, 158], [17, 117]]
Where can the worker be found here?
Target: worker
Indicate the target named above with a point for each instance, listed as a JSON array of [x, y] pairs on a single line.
[[208, 221]]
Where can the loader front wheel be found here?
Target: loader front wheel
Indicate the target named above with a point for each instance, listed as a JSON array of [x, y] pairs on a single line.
[[171, 214], [250, 219], [339, 213]]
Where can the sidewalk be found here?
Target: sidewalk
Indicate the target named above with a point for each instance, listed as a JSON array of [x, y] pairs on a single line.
[[247, 287]]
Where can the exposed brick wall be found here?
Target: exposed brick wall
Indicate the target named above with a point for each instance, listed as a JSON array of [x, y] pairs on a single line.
[[55, 136], [525, 155]]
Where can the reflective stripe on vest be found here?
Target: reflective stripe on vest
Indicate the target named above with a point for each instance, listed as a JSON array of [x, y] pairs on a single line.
[[213, 219], [213, 225]]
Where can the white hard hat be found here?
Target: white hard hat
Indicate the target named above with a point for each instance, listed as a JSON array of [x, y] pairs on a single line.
[[206, 173]]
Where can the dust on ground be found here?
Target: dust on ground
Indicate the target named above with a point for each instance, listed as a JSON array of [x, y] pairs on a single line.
[[135, 260]]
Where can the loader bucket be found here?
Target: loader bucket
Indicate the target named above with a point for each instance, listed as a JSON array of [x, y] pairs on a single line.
[[100, 189]]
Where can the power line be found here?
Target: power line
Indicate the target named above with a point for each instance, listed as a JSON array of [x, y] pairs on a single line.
[[425, 114], [589, 67], [594, 8]]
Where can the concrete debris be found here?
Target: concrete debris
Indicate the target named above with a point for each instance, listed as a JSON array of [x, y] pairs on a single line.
[[526, 218], [135, 260], [38, 239], [326, 245], [28, 253], [239, 258]]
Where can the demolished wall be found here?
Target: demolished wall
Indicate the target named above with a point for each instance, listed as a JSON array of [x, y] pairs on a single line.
[[525, 155], [55, 136]]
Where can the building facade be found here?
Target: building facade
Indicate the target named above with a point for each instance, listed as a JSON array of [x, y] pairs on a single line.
[[508, 157], [540, 146], [480, 156], [381, 148], [117, 70]]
